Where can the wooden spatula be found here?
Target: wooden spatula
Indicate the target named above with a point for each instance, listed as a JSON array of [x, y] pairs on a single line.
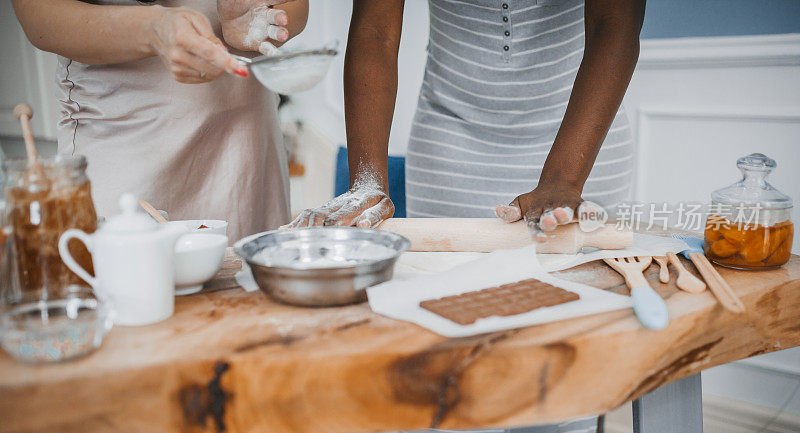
[[686, 281], [663, 269], [647, 304], [719, 287], [152, 211]]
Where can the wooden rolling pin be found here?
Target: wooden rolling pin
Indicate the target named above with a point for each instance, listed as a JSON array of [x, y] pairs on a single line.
[[489, 234]]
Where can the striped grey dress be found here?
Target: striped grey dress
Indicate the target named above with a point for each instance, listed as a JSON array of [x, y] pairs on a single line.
[[498, 78]]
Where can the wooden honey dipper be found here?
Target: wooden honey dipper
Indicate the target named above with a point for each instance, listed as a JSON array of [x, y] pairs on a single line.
[[489, 234], [35, 174], [24, 112]]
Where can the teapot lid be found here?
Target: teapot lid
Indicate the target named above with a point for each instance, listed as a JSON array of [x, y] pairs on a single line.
[[130, 220]]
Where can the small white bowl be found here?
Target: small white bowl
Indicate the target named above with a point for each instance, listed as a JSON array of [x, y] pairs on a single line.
[[218, 227], [198, 256]]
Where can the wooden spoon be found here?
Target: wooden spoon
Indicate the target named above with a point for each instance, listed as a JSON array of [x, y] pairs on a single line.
[[686, 281], [152, 211], [663, 269]]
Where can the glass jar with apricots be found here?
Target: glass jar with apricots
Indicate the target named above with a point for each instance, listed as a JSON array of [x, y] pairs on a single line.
[[749, 223]]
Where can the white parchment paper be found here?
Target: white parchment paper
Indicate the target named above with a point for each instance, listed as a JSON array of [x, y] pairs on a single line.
[[422, 276], [643, 245]]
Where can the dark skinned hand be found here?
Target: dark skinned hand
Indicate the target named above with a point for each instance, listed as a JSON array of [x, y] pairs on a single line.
[[549, 205]]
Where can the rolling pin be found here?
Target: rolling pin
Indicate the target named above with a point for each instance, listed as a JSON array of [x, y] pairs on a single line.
[[489, 234]]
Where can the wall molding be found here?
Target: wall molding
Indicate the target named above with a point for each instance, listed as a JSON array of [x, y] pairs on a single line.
[[720, 52], [725, 113], [722, 415], [647, 114], [725, 414]]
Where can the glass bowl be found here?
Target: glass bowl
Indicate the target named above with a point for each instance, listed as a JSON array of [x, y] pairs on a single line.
[[61, 326]]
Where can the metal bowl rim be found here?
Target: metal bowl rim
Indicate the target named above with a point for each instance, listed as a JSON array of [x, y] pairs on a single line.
[[353, 269], [320, 52]]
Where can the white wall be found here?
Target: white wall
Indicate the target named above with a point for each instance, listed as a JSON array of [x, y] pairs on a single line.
[[28, 76], [698, 104]]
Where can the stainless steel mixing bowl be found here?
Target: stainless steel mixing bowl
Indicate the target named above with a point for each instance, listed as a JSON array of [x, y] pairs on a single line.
[[282, 263]]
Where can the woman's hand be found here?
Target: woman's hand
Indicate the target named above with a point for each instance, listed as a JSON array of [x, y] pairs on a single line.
[[185, 41], [249, 25], [364, 205], [549, 205]]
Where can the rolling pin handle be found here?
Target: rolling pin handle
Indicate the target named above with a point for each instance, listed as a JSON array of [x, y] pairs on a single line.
[[609, 237]]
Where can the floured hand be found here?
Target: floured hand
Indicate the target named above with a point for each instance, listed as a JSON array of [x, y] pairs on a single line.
[[251, 25], [364, 205], [549, 206]]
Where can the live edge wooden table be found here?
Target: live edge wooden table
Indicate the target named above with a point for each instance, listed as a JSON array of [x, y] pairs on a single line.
[[232, 361]]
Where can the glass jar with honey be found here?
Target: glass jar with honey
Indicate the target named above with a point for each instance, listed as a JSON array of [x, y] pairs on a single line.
[[43, 202], [749, 223]]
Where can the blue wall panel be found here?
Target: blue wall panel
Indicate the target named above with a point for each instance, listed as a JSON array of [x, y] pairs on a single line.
[[695, 18]]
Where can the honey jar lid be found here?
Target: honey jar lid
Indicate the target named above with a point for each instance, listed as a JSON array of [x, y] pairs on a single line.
[[753, 190]]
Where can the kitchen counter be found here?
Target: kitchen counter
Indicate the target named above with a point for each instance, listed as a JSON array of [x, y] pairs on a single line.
[[234, 361]]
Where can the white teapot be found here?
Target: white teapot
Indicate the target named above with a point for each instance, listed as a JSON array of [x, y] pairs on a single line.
[[133, 259]]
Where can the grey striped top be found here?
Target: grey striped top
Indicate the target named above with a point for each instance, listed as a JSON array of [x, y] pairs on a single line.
[[498, 77]]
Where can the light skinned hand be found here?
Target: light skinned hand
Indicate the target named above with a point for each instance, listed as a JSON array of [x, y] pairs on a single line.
[[364, 205], [250, 25], [184, 40]]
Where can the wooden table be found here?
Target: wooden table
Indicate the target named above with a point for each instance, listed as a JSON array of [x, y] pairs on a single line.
[[237, 362]]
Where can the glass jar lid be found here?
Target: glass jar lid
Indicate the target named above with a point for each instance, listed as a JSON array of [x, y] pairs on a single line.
[[753, 190]]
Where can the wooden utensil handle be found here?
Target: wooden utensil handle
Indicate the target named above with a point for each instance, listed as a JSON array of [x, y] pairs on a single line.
[[719, 287], [607, 237], [24, 113], [635, 279], [152, 211], [489, 234], [686, 281], [663, 269]]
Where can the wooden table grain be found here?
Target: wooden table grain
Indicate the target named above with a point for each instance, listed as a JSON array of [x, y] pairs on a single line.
[[232, 361]]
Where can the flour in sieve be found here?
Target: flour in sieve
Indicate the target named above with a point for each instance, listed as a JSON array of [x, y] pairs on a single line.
[[289, 82]]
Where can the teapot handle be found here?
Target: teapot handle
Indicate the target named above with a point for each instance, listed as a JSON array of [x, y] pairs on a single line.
[[73, 265]]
